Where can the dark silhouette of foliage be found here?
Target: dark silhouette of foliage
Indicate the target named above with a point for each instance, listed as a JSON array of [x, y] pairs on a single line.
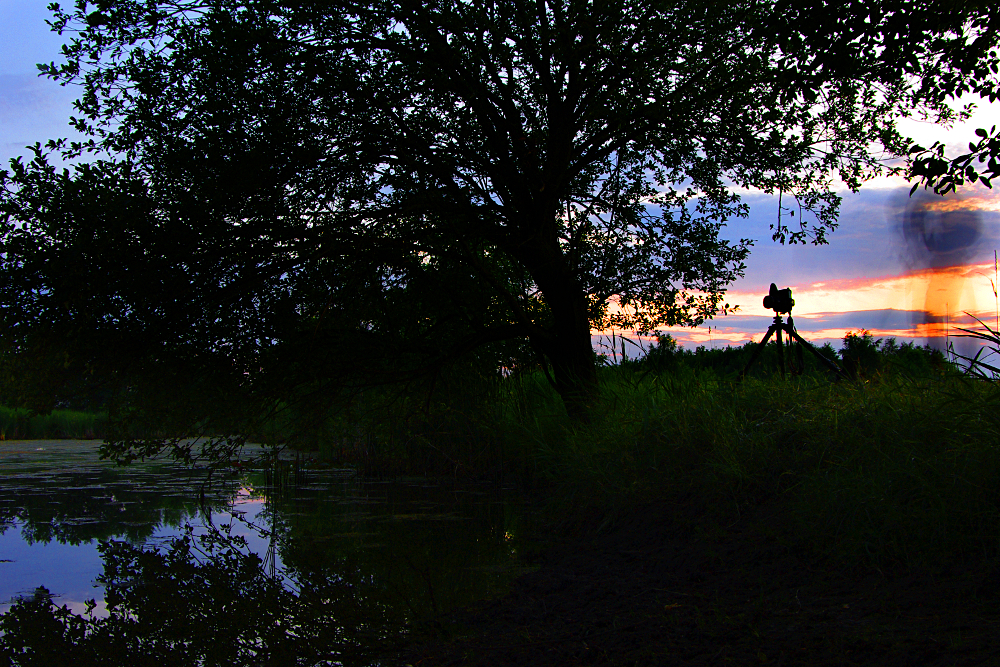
[[282, 197], [861, 356], [929, 166], [944, 175], [865, 356], [202, 601]]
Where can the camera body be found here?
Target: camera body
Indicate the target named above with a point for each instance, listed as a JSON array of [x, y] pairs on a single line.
[[779, 300]]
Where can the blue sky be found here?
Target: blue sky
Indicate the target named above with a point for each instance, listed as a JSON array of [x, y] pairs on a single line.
[[31, 108], [873, 274]]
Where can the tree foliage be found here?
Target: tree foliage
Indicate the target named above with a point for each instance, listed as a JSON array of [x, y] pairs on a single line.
[[200, 600], [312, 188], [982, 163], [929, 166]]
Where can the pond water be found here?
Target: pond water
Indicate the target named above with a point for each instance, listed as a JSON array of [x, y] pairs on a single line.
[[159, 559]]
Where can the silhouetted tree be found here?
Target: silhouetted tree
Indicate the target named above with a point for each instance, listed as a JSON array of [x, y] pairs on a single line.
[[272, 181]]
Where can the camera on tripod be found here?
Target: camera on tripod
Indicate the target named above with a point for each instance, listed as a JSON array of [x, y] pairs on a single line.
[[779, 300]]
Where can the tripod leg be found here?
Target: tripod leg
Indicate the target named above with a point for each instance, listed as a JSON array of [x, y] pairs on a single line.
[[797, 365], [829, 364], [781, 351], [757, 350], [801, 362]]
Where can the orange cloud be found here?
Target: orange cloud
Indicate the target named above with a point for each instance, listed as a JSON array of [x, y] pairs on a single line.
[[940, 291], [979, 203], [944, 298]]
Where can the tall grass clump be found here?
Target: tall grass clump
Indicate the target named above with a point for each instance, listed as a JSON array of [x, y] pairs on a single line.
[[455, 427], [909, 474], [891, 469], [20, 424]]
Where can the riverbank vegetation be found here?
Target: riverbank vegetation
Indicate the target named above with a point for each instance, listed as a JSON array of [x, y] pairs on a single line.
[[896, 467], [746, 492], [23, 424]]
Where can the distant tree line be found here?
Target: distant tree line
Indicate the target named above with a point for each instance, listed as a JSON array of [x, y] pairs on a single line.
[[862, 355]]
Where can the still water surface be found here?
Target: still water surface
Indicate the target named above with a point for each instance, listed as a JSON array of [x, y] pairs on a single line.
[[377, 555]]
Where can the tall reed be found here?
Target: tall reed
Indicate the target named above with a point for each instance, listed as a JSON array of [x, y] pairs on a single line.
[[59, 424]]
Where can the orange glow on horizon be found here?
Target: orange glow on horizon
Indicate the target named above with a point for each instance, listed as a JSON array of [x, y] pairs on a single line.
[[976, 203], [947, 297], [941, 292]]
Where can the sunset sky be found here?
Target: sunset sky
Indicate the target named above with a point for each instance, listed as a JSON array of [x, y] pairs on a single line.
[[897, 266], [902, 267]]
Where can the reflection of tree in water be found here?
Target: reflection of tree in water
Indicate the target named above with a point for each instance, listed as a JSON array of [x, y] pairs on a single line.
[[360, 563], [78, 506], [413, 551], [204, 600]]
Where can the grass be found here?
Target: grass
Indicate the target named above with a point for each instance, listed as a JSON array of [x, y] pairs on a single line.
[[894, 472], [891, 469], [59, 424]]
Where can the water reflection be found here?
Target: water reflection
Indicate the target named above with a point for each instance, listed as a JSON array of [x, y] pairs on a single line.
[[322, 569]]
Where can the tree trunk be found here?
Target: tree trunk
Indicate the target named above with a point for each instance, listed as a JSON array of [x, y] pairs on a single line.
[[569, 347], [566, 342], [575, 375]]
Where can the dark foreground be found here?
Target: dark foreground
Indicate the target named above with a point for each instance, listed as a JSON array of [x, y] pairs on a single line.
[[650, 592]]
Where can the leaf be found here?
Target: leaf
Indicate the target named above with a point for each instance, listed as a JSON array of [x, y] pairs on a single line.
[[914, 188], [96, 18], [981, 132], [985, 181], [936, 167]]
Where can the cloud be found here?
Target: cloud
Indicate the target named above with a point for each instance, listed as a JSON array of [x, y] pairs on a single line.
[[972, 202], [23, 94], [32, 110]]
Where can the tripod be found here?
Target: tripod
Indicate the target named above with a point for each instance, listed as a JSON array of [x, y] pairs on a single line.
[[776, 328]]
